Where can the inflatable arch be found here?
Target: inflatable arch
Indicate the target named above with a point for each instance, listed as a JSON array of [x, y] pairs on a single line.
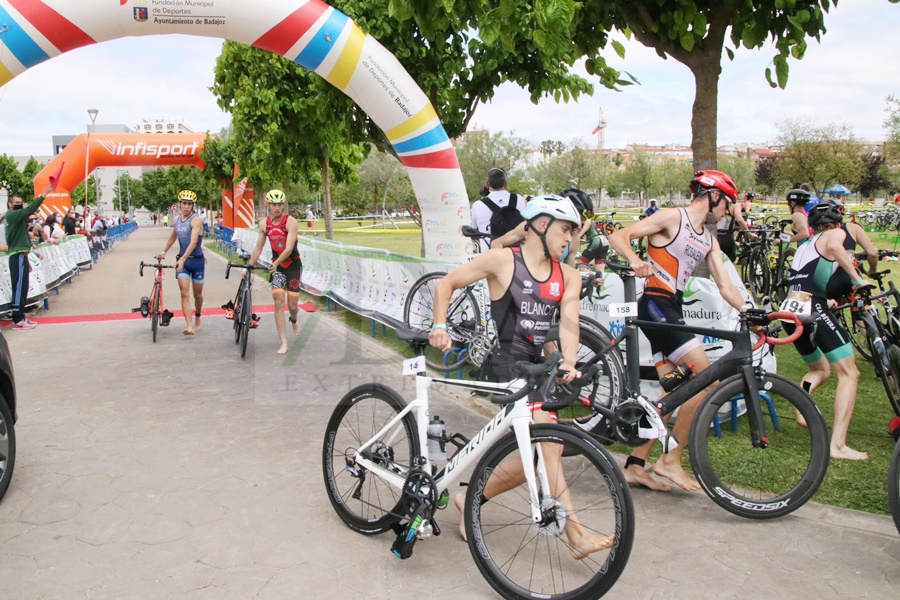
[[308, 32], [82, 156]]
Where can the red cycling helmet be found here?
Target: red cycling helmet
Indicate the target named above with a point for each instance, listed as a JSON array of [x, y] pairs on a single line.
[[709, 179]]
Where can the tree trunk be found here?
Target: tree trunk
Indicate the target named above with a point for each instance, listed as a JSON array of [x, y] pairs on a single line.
[[326, 199], [704, 117]]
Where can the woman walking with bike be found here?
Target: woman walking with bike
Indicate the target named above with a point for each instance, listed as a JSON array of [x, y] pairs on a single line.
[[191, 265], [677, 243], [827, 346], [286, 269]]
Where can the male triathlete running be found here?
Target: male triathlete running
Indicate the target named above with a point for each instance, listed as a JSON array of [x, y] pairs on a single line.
[[526, 285], [286, 269], [191, 264], [827, 345], [677, 243]]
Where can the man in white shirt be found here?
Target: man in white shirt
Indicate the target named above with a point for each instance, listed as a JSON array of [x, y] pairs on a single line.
[[499, 195]]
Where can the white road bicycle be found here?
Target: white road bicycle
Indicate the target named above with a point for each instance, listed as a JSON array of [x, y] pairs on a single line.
[[381, 475]]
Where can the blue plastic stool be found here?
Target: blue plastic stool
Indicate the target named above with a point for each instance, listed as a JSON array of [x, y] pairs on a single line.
[[734, 416]]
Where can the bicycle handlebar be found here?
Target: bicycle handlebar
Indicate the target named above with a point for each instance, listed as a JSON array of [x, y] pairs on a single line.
[[765, 339], [245, 266], [153, 266]]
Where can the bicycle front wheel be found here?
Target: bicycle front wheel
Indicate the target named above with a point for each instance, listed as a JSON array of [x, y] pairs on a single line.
[[586, 502], [246, 315], [894, 486], [237, 315], [760, 483], [463, 321], [154, 311], [364, 501]]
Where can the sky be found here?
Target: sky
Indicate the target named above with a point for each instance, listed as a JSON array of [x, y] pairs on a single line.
[[845, 79]]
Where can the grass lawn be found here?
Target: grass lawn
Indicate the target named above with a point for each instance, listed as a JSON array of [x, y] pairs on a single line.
[[849, 484]]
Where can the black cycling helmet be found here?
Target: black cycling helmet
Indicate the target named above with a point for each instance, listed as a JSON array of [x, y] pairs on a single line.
[[749, 196], [824, 213], [797, 196], [583, 203]]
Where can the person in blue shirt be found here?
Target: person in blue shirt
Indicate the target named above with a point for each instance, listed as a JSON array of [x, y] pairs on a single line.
[[191, 266], [651, 209], [813, 199]]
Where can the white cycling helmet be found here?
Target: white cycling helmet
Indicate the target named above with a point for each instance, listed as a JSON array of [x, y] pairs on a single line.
[[553, 206]]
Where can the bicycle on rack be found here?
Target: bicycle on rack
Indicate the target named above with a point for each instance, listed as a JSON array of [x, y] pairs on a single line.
[[762, 472], [887, 310], [383, 465], [764, 262], [152, 305], [241, 307], [882, 343]]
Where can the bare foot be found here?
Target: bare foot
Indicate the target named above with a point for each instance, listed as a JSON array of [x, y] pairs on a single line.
[[188, 331], [675, 473], [800, 420], [848, 453], [586, 544], [296, 326], [636, 475], [460, 501], [283, 349], [196, 323]]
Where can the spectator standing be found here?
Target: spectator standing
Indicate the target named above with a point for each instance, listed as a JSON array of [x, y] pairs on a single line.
[[52, 231], [651, 209], [499, 197], [19, 245], [310, 217], [69, 223]]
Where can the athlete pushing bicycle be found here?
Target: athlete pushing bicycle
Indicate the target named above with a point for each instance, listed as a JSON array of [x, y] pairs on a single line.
[[191, 265], [526, 285], [677, 243], [280, 229]]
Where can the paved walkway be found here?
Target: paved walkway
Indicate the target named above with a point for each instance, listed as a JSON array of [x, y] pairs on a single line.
[[177, 470]]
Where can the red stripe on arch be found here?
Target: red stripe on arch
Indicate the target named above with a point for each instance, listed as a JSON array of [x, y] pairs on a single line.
[[283, 36], [442, 159], [61, 32]]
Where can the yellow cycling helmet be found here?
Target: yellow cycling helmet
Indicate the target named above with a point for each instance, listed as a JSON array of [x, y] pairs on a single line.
[[275, 196], [187, 196]]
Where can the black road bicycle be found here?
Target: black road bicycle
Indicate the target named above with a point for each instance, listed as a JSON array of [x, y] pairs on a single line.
[[242, 306], [771, 466]]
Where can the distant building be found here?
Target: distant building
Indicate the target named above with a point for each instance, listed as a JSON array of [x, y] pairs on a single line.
[[162, 126]]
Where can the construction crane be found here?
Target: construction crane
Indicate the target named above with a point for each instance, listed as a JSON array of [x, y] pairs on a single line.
[[599, 129]]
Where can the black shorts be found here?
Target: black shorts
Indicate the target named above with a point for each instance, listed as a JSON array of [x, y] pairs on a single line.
[[827, 338], [665, 343]]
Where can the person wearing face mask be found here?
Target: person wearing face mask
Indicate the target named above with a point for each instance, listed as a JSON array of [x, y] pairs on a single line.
[[19, 243]]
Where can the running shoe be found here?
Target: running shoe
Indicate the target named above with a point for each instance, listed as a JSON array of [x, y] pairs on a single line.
[[30, 322], [229, 310], [26, 324]]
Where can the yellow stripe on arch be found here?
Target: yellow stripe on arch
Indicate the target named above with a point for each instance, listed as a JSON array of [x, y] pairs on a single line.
[[5, 74], [411, 124], [346, 63]]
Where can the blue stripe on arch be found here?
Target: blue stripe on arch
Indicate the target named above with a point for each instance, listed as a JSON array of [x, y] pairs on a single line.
[[20, 43], [318, 47], [432, 137]]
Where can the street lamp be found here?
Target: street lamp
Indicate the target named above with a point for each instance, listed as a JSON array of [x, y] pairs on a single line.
[[119, 186], [92, 113]]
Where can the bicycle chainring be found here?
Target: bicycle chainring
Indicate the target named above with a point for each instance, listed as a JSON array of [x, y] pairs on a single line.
[[480, 346]]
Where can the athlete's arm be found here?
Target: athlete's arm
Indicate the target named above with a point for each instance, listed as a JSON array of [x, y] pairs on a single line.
[[833, 242], [720, 276], [569, 310], [862, 238], [493, 265], [660, 222]]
